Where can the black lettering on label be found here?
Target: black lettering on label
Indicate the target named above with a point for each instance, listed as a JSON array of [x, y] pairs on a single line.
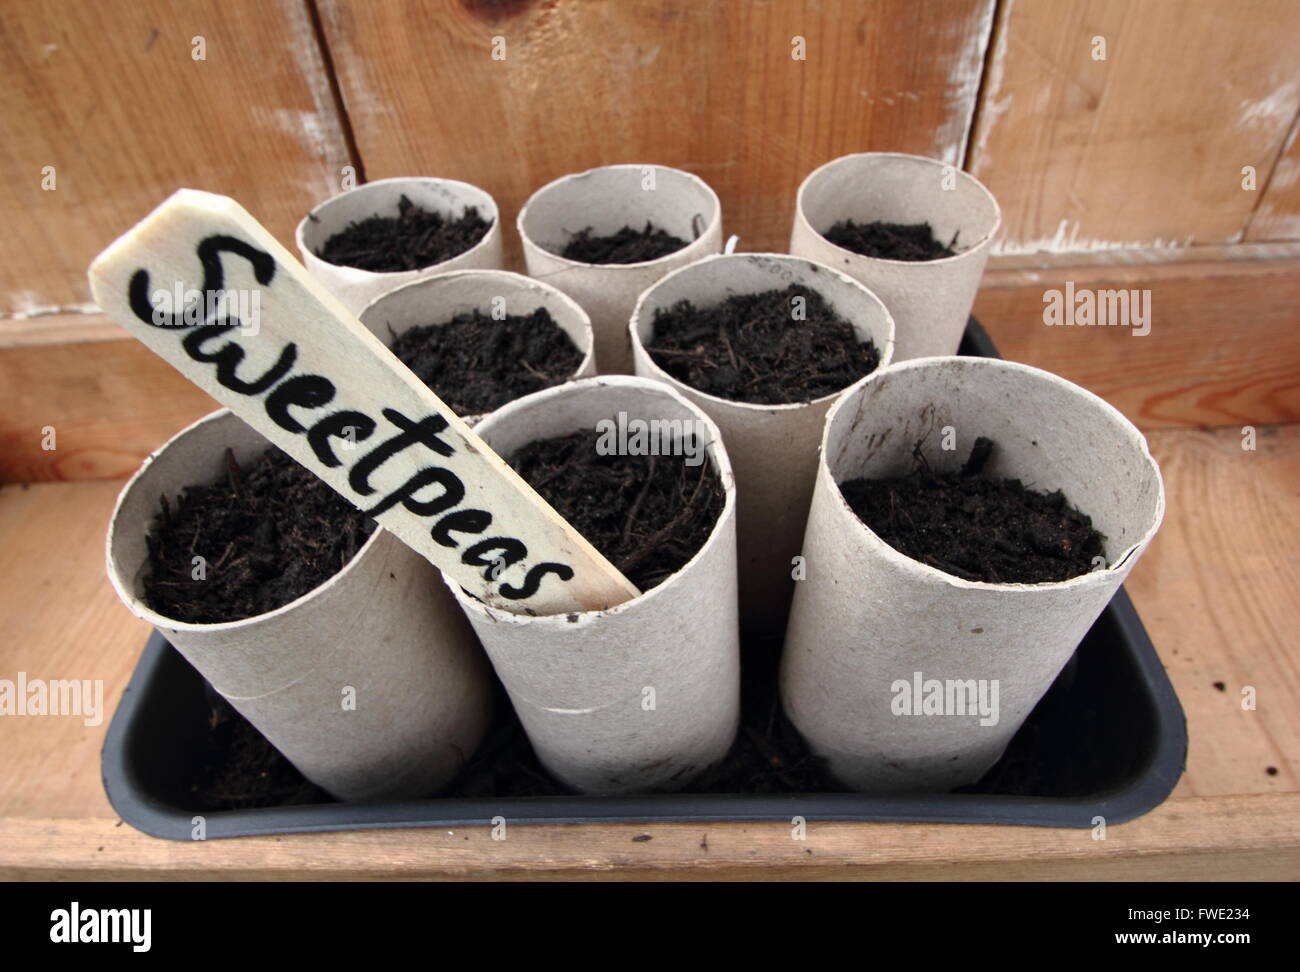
[[305, 391], [533, 580], [214, 276], [310, 391], [336, 425], [511, 551], [424, 432], [453, 491], [461, 521], [229, 355]]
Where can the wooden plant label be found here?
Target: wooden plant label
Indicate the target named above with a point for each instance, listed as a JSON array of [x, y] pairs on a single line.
[[206, 287]]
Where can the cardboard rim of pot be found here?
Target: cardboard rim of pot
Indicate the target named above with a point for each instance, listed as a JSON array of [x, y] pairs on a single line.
[[317, 217], [639, 318], [715, 217], [574, 319], [714, 449], [801, 217], [926, 573], [127, 588]]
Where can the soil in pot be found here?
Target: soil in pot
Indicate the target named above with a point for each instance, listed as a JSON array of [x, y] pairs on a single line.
[[476, 363], [268, 532], [977, 527], [411, 240], [648, 515], [890, 241], [759, 348], [628, 245]]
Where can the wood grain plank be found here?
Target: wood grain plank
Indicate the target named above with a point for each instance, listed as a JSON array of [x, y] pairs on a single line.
[[1277, 217], [109, 94], [1228, 819], [61, 620], [108, 399], [1250, 838], [1218, 589], [1222, 349], [1147, 146], [707, 87]]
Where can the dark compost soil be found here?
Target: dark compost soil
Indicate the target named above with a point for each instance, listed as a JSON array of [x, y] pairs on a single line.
[[890, 241], [975, 526], [268, 533], [413, 239], [755, 348], [476, 363], [1067, 748], [648, 515], [628, 245], [240, 770], [1082, 715]]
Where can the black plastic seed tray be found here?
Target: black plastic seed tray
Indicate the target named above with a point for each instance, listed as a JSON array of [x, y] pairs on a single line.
[[1108, 739]]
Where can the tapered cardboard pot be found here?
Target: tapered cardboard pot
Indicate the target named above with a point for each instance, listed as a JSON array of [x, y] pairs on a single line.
[[607, 199], [643, 696], [381, 634], [931, 299], [355, 287], [438, 299], [872, 632], [773, 448]]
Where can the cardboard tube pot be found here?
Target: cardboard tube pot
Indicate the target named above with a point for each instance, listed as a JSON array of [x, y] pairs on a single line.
[[437, 299], [643, 696], [355, 287], [383, 627], [868, 619], [607, 199], [931, 299], [773, 448]]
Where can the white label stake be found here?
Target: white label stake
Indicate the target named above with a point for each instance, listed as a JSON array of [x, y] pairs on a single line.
[[207, 288]]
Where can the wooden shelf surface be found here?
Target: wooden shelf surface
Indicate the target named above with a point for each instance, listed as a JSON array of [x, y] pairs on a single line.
[[1217, 591]]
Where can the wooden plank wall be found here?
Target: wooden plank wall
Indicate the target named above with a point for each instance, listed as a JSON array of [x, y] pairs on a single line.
[[1140, 151], [708, 87], [1112, 123], [109, 94]]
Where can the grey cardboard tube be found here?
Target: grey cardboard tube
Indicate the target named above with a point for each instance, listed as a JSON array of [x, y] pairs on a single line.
[[382, 632], [931, 299], [355, 287], [607, 199], [906, 678], [646, 695], [437, 299], [773, 448]]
